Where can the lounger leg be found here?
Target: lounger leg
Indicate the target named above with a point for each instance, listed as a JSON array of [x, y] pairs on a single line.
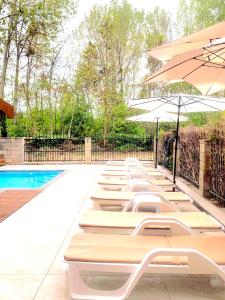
[[79, 290]]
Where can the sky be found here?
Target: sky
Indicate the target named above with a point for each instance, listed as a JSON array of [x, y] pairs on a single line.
[[83, 9], [85, 6]]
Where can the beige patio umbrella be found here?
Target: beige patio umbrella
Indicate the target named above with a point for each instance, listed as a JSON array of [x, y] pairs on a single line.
[[188, 43], [204, 68]]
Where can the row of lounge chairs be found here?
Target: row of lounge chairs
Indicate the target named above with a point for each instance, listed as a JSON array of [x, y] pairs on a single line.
[[135, 232]]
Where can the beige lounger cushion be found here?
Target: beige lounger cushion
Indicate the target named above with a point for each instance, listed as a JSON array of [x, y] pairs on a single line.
[[114, 181], [123, 173], [126, 196], [104, 248], [108, 219], [111, 168], [162, 182]]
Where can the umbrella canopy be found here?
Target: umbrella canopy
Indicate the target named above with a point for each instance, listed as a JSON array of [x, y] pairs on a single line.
[[188, 43], [154, 116], [187, 103], [204, 68], [179, 103]]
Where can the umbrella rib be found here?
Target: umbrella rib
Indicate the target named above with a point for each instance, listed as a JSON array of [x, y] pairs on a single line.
[[208, 57], [192, 101], [199, 99], [163, 99], [198, 58], [215, 53], [172, 67], [188, 102], [204, 64], [192, 71], [208, 105]]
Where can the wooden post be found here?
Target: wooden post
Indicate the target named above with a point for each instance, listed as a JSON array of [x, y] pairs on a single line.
[[88, 150], [204, 168]]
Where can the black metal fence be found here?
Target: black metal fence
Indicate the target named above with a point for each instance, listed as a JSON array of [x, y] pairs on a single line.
[[118, 148], [217, 170], [57, 149], [53, 149]]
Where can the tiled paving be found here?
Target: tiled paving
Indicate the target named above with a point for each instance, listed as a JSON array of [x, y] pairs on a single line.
[[11, 200], [33, 240]]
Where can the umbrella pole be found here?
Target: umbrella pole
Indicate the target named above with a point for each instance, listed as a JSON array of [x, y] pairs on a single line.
[[176, 145], [156, 142]]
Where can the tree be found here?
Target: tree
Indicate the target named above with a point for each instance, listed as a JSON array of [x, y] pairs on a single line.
[[158, 29], [194, 15], [114, 48]]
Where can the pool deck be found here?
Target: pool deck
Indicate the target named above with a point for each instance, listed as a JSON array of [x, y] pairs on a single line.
[[33, 240]]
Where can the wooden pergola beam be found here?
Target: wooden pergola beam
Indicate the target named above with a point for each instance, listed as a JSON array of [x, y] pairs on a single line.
[[7, 108]]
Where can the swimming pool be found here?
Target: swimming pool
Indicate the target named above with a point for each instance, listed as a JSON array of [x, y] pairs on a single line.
[[26, 179]]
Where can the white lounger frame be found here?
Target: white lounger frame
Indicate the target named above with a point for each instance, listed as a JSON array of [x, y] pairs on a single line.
[[198, 263], [175, 227], [157, 206], [143, 199], [159, 225], [133, 185]]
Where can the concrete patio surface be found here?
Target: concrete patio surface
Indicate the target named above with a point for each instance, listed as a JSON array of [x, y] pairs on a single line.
[[33, 240]]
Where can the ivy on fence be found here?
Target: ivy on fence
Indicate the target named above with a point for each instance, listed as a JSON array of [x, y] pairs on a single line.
[[217, 166], [189, 158]]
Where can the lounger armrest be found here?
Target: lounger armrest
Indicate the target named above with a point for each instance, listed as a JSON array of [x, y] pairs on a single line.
[[218, 222], [176, 226]]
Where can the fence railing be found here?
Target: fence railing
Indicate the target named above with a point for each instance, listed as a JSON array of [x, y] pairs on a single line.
[[217, 170], [73, 149], [118, 148], [53, 149]]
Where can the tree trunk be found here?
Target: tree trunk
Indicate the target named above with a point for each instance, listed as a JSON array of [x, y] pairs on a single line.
[[6, 55], [5, 65], [16, 85]]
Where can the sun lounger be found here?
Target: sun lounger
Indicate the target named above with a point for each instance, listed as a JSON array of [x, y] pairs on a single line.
[[134, 185], [118, 184], [126, 196], [126, 222], [137, 255], [126, 200], [122, 168], [124, 174], [132, 161]]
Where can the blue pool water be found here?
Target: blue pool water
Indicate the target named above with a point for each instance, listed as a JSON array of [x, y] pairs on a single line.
[[26, 179]]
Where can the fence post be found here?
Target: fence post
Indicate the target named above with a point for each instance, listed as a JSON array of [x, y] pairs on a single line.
[[204, 168], [88, 150]]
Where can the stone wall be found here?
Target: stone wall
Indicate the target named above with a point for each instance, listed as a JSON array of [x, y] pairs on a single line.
[[12, 150]]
